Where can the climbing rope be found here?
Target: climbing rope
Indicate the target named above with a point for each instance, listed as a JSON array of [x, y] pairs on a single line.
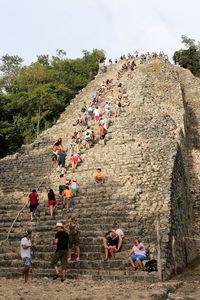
[[191, 238], [13, 223]]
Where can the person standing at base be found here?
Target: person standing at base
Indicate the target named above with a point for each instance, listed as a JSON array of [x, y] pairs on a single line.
[[25, 251], [61, 242]]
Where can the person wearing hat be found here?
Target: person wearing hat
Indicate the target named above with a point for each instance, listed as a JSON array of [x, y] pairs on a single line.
[[61, 242], [25, 251]]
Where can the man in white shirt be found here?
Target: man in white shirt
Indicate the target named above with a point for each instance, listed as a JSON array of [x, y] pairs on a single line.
[[88, 137], [120, 233], [25, 251]]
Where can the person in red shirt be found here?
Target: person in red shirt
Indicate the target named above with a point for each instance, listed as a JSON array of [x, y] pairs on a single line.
[[33, 200]]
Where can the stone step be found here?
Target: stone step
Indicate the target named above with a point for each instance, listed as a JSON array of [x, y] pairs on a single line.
[[113, 264], [85, 273]]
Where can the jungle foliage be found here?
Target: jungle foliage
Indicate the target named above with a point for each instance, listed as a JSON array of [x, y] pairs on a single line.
[[189, 58], [32, 97]]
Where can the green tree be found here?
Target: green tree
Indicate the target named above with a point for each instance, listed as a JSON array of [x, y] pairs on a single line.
[[10, 64], [43, 59], [189, 58], [38, 93]]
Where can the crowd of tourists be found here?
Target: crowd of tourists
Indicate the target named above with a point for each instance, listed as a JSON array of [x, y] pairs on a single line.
[[141, 57], [99, 113]]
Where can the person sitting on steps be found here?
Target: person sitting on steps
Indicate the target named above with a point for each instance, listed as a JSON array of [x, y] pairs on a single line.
[[99, 176], [136, 255], [111, 242]]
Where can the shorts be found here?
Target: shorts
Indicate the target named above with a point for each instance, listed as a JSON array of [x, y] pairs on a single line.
[[52, 202], [78, 141], [74, 191], [27, 261], [61, 163], [99, 178], [62, 256], [134, 257], [61, 189], [74, 240], [74, 158], [97, 118], [33, 207], [102, 137]]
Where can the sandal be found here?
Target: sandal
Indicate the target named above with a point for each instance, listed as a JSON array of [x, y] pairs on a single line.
[[69, 260], [78, 259]]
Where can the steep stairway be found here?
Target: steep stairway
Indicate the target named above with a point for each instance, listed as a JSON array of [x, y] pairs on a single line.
[[138, 160]]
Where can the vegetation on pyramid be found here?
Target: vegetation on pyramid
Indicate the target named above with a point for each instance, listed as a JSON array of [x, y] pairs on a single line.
[[32, 97]]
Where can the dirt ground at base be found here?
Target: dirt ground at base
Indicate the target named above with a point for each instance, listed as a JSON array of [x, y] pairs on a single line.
[[185, 286], [45, 289]]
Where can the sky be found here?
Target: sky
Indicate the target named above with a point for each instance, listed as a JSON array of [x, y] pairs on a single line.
[[34, 27]]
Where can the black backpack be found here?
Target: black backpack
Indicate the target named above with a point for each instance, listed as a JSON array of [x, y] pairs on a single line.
[[151, 265]]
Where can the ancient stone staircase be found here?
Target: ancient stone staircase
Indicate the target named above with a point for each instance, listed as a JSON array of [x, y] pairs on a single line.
[[138, 159]]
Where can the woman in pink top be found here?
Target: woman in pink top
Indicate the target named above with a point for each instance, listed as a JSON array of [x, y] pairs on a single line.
[[137, 254]]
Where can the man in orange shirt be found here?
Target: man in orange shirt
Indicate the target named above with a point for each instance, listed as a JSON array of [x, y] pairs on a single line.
[[67, 195]]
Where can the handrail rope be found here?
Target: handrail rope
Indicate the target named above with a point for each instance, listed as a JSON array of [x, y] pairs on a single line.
[[12, 224], [9, 231], [191, 238]]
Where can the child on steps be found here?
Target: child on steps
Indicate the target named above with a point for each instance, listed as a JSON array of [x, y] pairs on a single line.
[[99, 176]]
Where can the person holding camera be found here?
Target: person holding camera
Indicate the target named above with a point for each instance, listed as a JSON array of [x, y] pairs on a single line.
[[25, 250]]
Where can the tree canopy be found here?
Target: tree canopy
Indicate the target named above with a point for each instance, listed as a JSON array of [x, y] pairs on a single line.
[[189, 58], [32, 97]]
